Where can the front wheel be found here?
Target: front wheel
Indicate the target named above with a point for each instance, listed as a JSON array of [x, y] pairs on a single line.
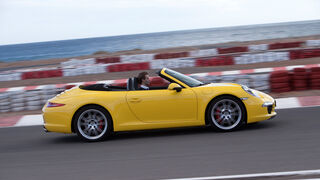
[[93, 123], [227, 113]]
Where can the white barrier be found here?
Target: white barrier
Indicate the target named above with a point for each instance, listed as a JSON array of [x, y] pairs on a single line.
[[172, 63], [204, 52], [258, 47], [81, 70], [261, 57], [10, 76], [77, 62], [136, 58], [311, 43]]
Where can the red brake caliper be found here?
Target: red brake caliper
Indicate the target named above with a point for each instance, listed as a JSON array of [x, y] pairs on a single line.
[[217, 116], [101, 126]]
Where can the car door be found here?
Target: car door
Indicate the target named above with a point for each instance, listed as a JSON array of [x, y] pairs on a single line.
[[154, 106]]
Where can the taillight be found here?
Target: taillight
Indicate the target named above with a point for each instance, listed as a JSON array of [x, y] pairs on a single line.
[[50, 104]]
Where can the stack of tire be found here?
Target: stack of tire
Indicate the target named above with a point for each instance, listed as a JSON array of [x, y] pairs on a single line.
[[243, 80], [33, 100], [229, 78], [4, 102], [280, 81], [260, 82], [17, 101], [49, 92], [299, 79], [315, 78]]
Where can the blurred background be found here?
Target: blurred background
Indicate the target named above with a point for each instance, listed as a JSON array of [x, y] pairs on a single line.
[[47, 47]]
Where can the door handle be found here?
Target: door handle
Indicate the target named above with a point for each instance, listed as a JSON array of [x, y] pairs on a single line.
[[134, 100]]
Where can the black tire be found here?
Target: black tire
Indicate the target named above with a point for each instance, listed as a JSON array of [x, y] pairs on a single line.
[[235, 116], [90, 120]]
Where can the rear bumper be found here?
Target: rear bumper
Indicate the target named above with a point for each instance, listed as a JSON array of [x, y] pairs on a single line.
[[45, 129], [57, 120]]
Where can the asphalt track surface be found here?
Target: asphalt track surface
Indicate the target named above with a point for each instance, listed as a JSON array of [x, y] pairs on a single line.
[[289, 142]]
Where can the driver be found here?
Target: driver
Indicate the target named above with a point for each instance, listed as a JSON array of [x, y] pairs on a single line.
[[143, 80]]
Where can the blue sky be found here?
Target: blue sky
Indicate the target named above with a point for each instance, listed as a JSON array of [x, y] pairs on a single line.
[[23, 21]]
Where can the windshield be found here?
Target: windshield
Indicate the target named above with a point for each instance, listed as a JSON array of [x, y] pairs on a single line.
[[183, 78]]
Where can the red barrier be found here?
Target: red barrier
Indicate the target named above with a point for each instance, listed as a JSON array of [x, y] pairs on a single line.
[[305, 53], [41, 74], [128, 67], [107, 60], [216, 61], [55, 73], [296, 54], [171, 55], [232, 50], [285, 45]]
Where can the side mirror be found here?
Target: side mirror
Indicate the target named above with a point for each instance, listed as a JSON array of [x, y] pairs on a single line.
[[175, 86]]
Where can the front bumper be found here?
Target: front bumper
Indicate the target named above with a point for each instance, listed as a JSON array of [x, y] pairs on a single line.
[[260, 108]]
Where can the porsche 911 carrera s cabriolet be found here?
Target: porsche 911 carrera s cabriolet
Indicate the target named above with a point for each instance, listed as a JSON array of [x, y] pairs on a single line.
[[95, 111]]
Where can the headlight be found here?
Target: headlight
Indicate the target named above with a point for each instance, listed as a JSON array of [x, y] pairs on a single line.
[[249, 91]]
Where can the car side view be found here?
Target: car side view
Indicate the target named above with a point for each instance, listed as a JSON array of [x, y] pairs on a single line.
[[95, 111]]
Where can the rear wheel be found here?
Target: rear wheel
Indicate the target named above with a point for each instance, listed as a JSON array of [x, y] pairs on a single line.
[[93, 123], [227, 113]]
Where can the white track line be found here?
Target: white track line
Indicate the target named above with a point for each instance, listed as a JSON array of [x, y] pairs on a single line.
[[30, 120], [259, 175], [285, 103]]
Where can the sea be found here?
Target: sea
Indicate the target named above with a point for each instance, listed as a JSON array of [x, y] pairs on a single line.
[[148, 41]]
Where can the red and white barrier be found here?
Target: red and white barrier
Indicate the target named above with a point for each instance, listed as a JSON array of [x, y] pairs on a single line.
[[261, 57], [76, 67], [34, 97]]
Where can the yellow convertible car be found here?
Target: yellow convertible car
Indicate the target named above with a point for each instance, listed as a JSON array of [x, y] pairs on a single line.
[[95, 111]]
